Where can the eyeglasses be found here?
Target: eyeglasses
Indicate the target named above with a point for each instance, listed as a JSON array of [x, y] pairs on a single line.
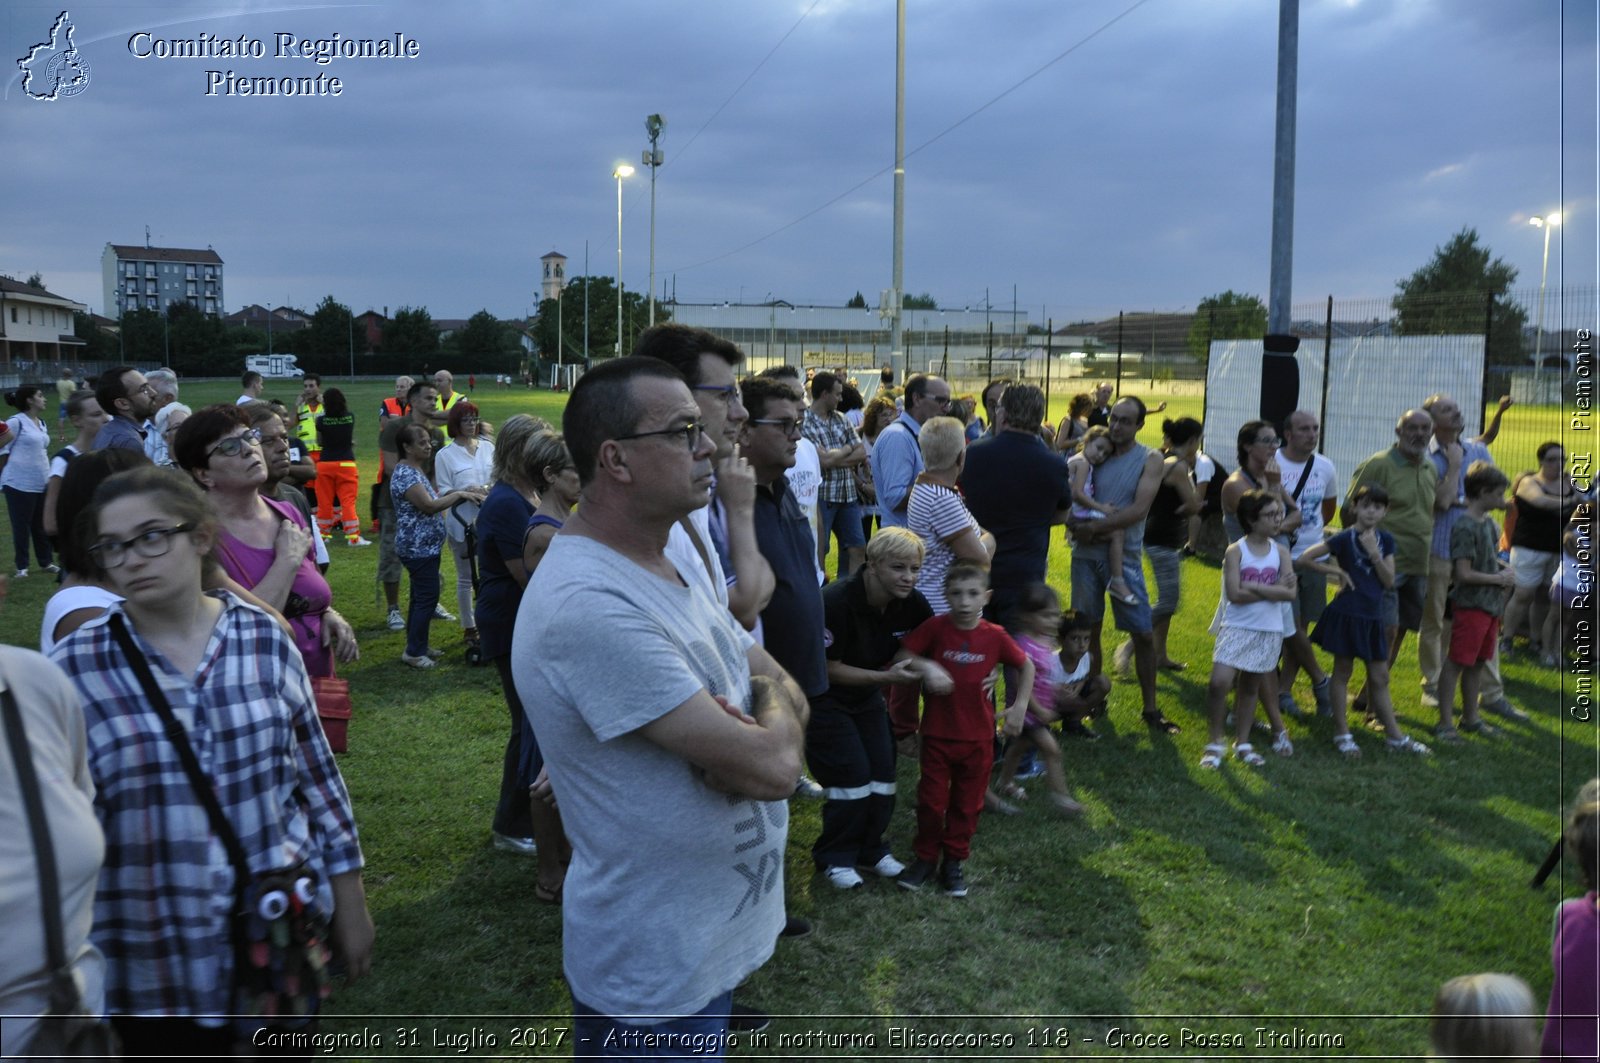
[[938, 400], [153, 543], [691, 433], [1270, 441], [233, 446], [726, 392], [787, 427]]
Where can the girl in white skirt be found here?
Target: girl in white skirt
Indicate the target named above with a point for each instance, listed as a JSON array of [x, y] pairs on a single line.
[[1257, 577]]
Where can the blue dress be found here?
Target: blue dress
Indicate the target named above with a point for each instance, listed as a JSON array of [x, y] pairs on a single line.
[[1352, 625]]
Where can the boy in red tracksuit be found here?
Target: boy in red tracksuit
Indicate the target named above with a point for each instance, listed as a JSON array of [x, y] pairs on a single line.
[[958, 724]]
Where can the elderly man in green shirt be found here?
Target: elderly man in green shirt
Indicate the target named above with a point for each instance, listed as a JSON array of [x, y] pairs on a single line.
[[1416, 492]]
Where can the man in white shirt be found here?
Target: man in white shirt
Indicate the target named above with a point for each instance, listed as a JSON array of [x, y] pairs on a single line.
[[1313, 483]]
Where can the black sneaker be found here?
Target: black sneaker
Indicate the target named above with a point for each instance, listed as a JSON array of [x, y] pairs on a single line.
[[742, 1018], [1077, 729], [914, 876], [951, 878]]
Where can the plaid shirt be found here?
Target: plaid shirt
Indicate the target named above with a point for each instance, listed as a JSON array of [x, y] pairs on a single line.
[[1444, 523], [838, 484], [165, 896]]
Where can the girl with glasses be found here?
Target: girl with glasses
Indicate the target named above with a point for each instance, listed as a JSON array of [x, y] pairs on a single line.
[[237, 687]]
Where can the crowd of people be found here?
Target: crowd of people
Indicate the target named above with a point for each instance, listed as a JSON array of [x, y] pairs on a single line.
[[790, 575]]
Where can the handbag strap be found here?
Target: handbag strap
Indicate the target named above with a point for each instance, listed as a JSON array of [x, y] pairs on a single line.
[[64, 997], [198, 780]]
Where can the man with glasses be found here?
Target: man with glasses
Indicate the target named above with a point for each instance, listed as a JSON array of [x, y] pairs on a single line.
[[677, 706], [1129, 480], [706, 361], [129, 399], [1451, 456], [896, 457], [791, 624], [1414, 492]]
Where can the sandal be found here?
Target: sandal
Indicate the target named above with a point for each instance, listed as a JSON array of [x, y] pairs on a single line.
[[1481, 729], [1211, 760], [1448, 735], [1407, 744], [1125, 595], [1013, 792], [1281, 744], [544, 895], [1346, 744], [1157, 722], [1245, 753]]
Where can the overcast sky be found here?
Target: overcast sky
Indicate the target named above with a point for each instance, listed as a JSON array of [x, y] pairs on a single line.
[[1133, 172]]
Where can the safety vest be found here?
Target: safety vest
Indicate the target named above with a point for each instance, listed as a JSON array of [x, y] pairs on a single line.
[[455, 397], [305, 427]]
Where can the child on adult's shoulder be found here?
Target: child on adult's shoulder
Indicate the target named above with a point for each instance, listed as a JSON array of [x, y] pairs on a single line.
[[1351, 626], [1038, 618], [1477, 600], [1096, 448], [958, 725], [1257, 576]]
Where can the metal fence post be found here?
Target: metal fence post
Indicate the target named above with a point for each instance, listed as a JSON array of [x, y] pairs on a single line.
[[1327, 358]]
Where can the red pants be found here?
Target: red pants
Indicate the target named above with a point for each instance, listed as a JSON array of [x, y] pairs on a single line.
[[955, 775], [338, 481]]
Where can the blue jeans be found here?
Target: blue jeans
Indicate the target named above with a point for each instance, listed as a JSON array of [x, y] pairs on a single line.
[[424, 597], [703, 1035], [26, 510]]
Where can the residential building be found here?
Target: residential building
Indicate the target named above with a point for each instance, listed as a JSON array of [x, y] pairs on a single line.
[[36, 328], [153, 278]]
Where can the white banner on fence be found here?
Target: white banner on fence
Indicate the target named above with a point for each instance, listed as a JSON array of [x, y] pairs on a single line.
[[1371, 382]]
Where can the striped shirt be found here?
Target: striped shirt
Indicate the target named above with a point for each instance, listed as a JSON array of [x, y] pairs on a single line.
[[165, 895]]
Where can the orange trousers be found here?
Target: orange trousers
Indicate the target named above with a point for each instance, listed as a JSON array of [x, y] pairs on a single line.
[[338, 482]]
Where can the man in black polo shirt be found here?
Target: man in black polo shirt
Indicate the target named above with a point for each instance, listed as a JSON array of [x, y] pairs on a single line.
[[1016, 488], [791, 623]]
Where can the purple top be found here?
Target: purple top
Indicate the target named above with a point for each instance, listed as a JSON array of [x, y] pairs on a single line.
[[309, 595], [1569, 1028]]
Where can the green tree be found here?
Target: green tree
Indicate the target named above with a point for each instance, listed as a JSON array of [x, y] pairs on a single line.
[[857, 301], [193, 338], [36, 280], [410, 332], [919, 302], [144, 337], [1451, 295], [328, 338], [1229, 316], [602, 319], [486, 342], [98, 344]]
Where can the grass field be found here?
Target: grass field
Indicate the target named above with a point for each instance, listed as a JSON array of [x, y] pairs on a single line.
[[1316, 894]]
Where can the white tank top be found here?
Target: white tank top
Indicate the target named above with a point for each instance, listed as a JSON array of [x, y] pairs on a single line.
[[1258, 569]]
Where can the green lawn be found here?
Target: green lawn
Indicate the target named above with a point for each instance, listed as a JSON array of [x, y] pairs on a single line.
[[1315, 893]]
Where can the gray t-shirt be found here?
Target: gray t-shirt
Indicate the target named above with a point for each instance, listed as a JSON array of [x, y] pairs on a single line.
[[675, 893], [1116, 480]]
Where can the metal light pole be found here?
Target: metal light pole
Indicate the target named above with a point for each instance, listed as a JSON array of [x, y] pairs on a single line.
[[619, 173], [1548, 222], [653, 159], [896, 296]]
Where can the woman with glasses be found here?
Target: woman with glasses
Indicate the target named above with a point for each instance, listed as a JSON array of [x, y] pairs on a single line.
[[264, 544], [1543, 502], [419, 535], [466, 461], [25, 477], [238, 691]]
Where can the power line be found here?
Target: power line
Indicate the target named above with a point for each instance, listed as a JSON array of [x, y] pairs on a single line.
[[925, 144]]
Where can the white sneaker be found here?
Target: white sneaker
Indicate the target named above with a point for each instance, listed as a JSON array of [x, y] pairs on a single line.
[[441, 613], [888, 867], [844, 878], [805, 787], [358, 541], [396, 621], [22, 573], [417, 662], [54, 570]]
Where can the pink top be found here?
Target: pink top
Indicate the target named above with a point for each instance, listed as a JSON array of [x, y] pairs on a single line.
[[1047, 675], [1569, 1028], [309, 596]]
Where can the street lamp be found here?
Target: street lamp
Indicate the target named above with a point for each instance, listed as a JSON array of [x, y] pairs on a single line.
[[1548, 222], [653, 159], [624, 170]]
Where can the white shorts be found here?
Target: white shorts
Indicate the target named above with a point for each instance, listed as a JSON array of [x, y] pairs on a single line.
[[1533, 568], [1247, 650]]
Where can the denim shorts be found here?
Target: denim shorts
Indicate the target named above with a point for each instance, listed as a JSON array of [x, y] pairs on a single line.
[[1165, 565], [1401, 605], [1089, 581]]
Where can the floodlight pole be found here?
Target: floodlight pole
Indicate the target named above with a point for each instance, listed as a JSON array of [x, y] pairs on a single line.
[[653, 158]]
